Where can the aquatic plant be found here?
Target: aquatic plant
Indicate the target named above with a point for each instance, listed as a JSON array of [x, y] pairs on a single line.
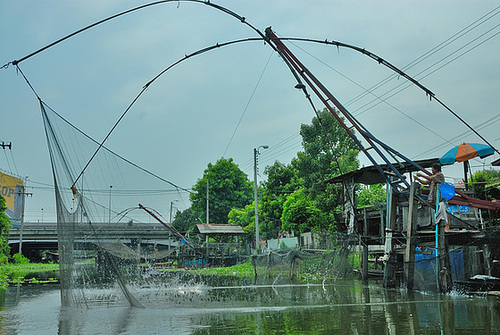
[[16, 273]]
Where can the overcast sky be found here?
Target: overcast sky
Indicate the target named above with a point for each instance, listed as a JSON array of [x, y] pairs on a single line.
[[228, 101]]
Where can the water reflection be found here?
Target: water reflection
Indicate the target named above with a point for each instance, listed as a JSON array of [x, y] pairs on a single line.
[[347, 307]]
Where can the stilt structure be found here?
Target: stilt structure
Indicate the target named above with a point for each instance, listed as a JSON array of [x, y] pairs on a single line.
[[389, 256], [409, 259], [417, 252]]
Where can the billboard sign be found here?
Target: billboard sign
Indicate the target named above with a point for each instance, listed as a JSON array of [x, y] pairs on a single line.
[[12, 190]]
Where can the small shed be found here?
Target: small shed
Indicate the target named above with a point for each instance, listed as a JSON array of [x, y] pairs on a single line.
[[219, 229], [225, 251]]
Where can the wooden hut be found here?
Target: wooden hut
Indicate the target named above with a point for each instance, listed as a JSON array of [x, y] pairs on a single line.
[[222, 243]]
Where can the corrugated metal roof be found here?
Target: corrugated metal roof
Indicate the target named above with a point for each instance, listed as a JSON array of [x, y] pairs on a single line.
[[212, 228], [370, 174]]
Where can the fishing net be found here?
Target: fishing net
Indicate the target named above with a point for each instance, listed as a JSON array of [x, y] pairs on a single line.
[[108, 243], [285, 266], [114, 245]]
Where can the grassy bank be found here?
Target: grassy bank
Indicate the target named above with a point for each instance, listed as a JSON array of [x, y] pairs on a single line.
[[242, 270], [35, 273]]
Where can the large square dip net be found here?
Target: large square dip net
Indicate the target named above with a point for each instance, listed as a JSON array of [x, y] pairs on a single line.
[[115, 248], [110, 232]]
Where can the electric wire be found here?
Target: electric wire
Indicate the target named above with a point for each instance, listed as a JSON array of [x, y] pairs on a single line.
[[486, 17], [370, 91], [403, 74], [248, 103], [177, 187], [465, 30], [274, 151], [420, 75], [459, 136], [7, 160]]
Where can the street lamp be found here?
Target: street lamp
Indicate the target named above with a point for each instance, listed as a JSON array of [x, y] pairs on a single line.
[[109, 209], [255, 156], [171, 207]]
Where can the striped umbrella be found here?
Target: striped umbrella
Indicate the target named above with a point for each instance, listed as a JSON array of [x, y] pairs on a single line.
[[466, 151]]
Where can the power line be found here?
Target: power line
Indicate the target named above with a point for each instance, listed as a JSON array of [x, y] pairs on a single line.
[[248, 103], [480, 126], [432, 51], [461, 33]]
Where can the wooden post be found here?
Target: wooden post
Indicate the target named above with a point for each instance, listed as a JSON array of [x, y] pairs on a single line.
[[410, 245], [364, 269], [382, 225], [207, 254], [389, 269], [350, 205], [486, 259], [445, 280]]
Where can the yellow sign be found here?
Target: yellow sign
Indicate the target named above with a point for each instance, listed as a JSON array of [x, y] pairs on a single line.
[[12, 190]]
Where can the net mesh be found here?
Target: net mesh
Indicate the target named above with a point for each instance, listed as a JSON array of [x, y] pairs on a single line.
[[106, 242], [283, 266], [113, 250]]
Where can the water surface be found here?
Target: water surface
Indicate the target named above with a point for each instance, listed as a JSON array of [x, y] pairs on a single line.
[[345, 307]]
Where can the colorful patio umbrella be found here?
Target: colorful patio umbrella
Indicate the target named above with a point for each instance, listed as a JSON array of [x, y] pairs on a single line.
[[466, 151]]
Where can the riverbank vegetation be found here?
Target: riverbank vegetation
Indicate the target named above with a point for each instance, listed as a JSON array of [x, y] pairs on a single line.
[[21, 271], [241, 270], [4, 232]]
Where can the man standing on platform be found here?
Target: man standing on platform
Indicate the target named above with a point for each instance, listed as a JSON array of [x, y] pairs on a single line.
[[433, 180]]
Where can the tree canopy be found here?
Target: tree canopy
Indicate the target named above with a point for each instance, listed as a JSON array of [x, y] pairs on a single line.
[[486, 184], [228, 188], [184, 221], [4, 232], [282, 180], [294, 197]]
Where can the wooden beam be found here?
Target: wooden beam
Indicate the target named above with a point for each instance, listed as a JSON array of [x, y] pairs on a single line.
[[409, 258]]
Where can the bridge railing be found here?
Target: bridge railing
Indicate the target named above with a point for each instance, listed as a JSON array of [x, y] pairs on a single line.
[[95, 230]]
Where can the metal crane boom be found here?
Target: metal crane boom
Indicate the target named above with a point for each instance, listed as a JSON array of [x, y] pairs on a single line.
[[346, 119]]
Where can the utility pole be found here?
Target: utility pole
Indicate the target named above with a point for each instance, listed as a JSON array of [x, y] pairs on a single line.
[[23, 194], [256, 197], [171, 207], [109, 209], [208, 208]]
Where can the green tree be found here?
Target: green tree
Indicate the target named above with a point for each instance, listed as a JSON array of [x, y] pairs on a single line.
[[228, 188], [186, 220], [244, 218], [486, 184], [301, 215], [4, 232], [281, 182], [371, 195], [328, 152]]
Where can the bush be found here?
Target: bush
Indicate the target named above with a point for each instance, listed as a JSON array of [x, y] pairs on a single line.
[[20, 259]]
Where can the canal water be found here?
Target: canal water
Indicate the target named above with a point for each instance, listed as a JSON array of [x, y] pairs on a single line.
[[344, 307]]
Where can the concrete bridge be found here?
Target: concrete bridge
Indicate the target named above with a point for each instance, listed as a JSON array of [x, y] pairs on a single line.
[[43, 236]]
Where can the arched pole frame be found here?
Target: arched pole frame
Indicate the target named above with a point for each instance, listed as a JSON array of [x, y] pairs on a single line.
[[328, 99], [297, 70]]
